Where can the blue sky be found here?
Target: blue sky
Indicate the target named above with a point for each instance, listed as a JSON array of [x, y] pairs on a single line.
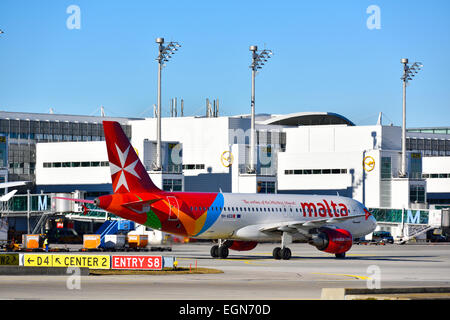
[[325, 57]]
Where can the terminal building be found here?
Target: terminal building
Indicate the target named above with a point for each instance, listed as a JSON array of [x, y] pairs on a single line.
[[304, 152]]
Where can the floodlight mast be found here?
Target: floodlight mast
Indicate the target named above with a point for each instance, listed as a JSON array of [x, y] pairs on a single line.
[[408, 74], [258, 59], [164, 55]]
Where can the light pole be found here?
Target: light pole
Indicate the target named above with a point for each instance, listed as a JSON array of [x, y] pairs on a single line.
[[409, 71], [165, 53], [258, 60]]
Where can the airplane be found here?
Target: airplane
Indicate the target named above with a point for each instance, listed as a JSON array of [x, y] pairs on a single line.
[[237, 220]]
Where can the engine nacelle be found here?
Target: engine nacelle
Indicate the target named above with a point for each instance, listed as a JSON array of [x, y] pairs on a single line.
[[241, 245], [333, 240]]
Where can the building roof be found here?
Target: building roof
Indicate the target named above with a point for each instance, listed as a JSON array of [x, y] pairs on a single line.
[[60, 117], [308, 119]]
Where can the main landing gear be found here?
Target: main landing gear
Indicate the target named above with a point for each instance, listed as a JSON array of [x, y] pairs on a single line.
[[220, 251], [283, 253]]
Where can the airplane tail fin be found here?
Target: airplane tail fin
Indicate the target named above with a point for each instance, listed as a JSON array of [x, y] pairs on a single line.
[[127, 172]]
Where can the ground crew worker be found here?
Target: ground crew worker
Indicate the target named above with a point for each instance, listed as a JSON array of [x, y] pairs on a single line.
[[46, 244]]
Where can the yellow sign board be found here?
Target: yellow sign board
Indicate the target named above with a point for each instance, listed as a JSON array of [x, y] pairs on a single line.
[[37, 260], [82, 261], [67, 260], [10, 259]]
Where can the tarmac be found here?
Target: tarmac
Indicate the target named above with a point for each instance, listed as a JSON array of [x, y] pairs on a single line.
[[255, 275]]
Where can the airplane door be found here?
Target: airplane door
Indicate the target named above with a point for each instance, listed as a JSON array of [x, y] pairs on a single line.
[[173, 206]]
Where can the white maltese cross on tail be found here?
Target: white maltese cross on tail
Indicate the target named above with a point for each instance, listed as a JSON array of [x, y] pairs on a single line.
[[123, 157]]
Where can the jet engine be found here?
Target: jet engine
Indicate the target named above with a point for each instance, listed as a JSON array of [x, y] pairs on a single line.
[[337, 241], [241, 245]]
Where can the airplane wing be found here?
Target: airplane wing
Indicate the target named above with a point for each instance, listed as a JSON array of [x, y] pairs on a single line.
[[296, 226]]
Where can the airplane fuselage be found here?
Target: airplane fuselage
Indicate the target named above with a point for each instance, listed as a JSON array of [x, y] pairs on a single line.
[[235, 216]]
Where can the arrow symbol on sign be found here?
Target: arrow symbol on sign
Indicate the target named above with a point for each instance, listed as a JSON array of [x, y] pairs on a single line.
[[29, 259]]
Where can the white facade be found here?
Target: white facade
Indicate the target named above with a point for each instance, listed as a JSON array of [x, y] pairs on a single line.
[[203, 141], [332, 158], [79, 163], [437, 173]]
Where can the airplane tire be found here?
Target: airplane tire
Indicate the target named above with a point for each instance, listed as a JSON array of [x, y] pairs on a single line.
[[223, 252], [215, 251], [340, 255], [286, 253], [276, 253]]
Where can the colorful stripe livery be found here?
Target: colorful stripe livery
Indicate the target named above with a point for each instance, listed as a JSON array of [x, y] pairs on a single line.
[[186, 214]]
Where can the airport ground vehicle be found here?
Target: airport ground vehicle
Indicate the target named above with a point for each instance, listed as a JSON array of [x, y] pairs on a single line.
[[64, 235], [436, 235], [382, 236]]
